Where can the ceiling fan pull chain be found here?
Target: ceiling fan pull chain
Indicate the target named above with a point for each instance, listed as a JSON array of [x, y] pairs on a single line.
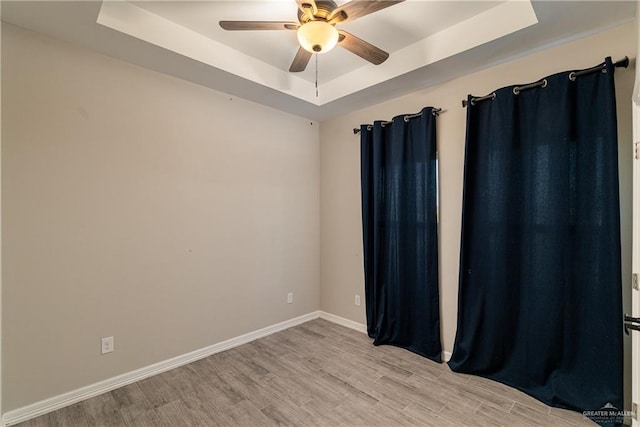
[[316, 55]]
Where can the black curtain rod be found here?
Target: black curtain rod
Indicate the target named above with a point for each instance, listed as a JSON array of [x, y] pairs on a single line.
[[435, 112], [624, 63]]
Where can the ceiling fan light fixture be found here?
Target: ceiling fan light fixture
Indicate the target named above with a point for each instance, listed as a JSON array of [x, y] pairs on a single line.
[[317, 36]]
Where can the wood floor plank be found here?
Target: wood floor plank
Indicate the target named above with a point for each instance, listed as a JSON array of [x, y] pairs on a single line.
[[366, 356], [461, 415], [572, 417], [314, 374], [103, 410], [326, 365], [417, 365], [535, 417], [246, 414], [179, 413], [387, 397], [132, 404], [472, 392], [410, 393], [129, 395], [510, 392], [285, 413], [42, 421], [158, 390], [218, 416], [72, 416], [425, 416], [321, 413], [489, 415], [394, 417]]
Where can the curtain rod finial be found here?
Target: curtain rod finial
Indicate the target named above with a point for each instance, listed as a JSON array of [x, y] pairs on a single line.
[[624, 62]]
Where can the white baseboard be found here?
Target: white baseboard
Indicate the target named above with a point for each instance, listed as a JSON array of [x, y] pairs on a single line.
[[66, 399], [446, 355], [343, 322], [56, 402]]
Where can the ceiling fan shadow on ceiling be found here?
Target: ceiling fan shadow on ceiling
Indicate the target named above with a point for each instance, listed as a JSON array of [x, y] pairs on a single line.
[[317, 32]]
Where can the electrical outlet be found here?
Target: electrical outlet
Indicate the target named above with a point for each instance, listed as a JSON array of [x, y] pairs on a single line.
[[358, 300], [107, 345], [289, 297]]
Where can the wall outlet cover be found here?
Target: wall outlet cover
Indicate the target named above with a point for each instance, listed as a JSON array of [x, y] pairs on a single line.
[[107, 345]]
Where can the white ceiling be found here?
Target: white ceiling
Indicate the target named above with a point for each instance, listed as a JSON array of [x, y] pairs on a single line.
[[428, 41], [391, 29]]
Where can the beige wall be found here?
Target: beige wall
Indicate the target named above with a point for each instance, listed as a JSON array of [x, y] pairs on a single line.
[[145, 207], [341, 269]]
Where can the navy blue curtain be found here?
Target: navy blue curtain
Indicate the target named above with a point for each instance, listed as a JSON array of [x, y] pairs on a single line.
[[540, 297], [398, 166]]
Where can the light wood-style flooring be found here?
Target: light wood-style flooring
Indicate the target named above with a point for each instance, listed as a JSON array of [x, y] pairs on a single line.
[[314, 374]]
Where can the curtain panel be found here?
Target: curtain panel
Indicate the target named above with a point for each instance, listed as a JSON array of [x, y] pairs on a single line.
[[399, 220], [540, 299]]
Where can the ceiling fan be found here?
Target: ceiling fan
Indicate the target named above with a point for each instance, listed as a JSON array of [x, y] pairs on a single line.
[[317, 32]]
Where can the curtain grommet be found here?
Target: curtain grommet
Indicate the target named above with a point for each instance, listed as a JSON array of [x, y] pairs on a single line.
[[572, 76], [482, 98], [406, 119], [516, 90], [545, 83]]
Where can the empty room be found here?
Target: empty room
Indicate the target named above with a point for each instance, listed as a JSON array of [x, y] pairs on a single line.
[[319, 213]]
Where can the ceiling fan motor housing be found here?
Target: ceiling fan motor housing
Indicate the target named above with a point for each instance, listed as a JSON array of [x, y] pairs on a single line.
[[324, 7]]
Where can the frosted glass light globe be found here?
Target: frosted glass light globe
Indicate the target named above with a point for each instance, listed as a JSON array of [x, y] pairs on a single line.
[[317, 36]]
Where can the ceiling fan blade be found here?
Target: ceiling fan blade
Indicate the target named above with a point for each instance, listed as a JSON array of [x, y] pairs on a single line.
[[258, 25], [300, 61], [362, 48], [358, 8], [308, 7]]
